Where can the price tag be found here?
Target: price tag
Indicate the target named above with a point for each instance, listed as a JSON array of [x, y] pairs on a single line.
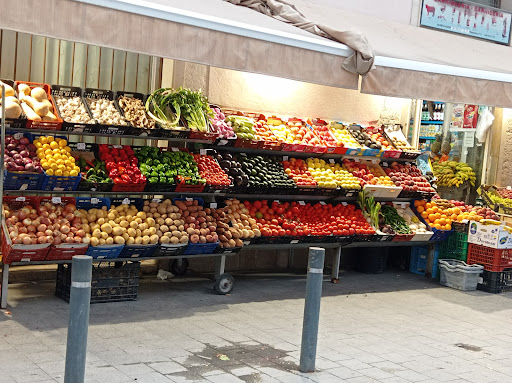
[[344, 203], [302, 203], [175, 149], [223, 142], [243, 154], [294, 241], [217, 191], [17, 136], [285, 158], [95, 201], [375, 161], [56, 200], [357, 160], [24, 187], [385, 164], [213, 205], [509, 187], [58, 189], [202, 152], [21, 199], [189, 199], [118, 146], [322, 203], [80, 146], [246, 243], [349, 194], [157, 200], [331, 160], [126, 201], [403, 205]]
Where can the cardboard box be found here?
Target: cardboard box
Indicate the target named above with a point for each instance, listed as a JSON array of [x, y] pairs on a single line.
[[494, 236]]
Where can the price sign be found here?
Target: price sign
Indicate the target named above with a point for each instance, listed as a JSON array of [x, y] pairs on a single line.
[[175, 149], [375, 161], [277, 201], [223, 142], [385, 164], [294, 241], [95, 201], [403, 205], [24, 187], [349, 194], [157, 200], [217, 191], [126, 201], [118, 146], [189, 199], [509, 187], [285, 158], [246, 243], [213, 205], [344, 203], [17, 136], [56, 200], [80, 146], [331, 160], [302, 203], [202, 152], [243, 154], [21, 199], [322, 203], [357, 160]]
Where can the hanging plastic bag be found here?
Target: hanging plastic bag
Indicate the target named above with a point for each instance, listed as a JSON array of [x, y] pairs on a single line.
[[485, 120]]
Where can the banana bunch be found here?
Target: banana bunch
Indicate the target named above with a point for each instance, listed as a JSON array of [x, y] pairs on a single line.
[[453, 174], [490, 222]]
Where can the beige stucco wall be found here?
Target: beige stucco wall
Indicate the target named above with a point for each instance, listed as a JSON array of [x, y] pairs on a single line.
[[504, 170]]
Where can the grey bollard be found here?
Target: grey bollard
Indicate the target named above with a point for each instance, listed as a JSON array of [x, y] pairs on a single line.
[[79, 304], [312, 309]]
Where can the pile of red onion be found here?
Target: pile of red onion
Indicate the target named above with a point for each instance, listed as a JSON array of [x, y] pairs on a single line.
[[54, 224], [20, 156]]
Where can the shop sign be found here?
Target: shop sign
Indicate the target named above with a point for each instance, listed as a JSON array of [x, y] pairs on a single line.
[[468, 19]]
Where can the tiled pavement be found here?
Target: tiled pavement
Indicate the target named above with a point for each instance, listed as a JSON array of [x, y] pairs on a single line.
[[389, 328]]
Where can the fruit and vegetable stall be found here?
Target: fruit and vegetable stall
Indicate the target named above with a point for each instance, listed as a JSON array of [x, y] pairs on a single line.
[[223, 181]]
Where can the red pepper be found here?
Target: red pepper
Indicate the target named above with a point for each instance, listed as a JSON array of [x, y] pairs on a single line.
[[118, 180], [129, 171], [126, 177], [121, 169], [113, 173], [134, 161]]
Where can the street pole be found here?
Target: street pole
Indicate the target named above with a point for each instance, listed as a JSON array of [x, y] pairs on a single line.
[[79, 304], [312, 309]]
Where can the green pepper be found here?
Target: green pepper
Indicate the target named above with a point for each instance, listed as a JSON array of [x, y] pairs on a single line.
[[153, 180]]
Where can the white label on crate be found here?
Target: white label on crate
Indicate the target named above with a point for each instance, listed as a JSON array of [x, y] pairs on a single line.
[[126, 201], [17, 136], [344, 203], [25, 259], [213, 205], [58, 189], [135, 255], [157, 200], [357, 160], [56, 200], [385, 164], [21, 199], [331, 160], [81, 285], [349, 194], [375, 161], [175, 149], [80, 146], [322, 203], [95, 201], [243, 154], [217, 191], [302, 203], [285, 158], [277, 201], [464, 221], [202, 152], [246, 243], [24, 187], [403, 205], [294, 241], [189, 199], [223, 142], [118, 146], [509, 187]]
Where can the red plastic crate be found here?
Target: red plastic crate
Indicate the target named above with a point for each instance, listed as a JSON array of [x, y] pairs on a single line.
[[21, 253], [43, 125], [402, 237], [66, 251], [183, 187], [495, 260]]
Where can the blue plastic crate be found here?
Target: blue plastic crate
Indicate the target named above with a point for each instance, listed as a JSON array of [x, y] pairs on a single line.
[[137, 202], [200, 248], [105, 251], [419, 258], [86, 203], [138, 251], [23, 180], [60, 183]]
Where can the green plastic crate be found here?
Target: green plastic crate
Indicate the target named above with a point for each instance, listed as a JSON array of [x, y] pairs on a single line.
[[455, 247]]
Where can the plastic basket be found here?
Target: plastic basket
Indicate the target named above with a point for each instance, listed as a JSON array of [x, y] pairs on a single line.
[[128, 187], [455, 247], [459, 275], [460, 227], [105, 251], [116, 130], [186, 188], [73, 91], [138, 251], [23, 180], [170, 250], [200, 248], [42, 125], [492, 259], [21, 253], [60, 183], [137, 202], [66, 251], [419, 261], [227, 250], [136, 130], [111, 282], [495, 282]]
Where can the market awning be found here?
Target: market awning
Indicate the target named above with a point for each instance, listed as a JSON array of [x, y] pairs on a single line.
[[415, 62], [211, 32]]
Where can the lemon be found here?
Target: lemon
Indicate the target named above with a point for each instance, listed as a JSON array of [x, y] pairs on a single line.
[[46, 147], [63, 143], [64, 152], [73, 173], [58, 172], [65, 173], [38, 145], [57, 156], [40, 156], [49, 172], [50, 139], [77, 169], [43, 140], [54, 145], [67, 149], [61, 167], [54, 166], [72, 159], [45, 166]]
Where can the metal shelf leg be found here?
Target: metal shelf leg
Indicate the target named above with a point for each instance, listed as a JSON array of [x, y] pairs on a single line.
[[220, 265], [336, 266], [5, 284]]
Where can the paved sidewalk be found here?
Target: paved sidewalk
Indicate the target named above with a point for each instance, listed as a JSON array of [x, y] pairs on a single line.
[[388, 328]]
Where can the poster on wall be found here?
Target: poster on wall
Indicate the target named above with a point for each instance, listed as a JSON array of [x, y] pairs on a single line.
[[468, 19]]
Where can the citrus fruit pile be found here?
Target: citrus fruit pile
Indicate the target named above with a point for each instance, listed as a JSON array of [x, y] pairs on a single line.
[[55, 156], [436, 216]]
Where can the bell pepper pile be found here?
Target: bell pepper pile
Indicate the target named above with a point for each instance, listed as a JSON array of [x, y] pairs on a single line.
[[210, 170], [93, 171], [156, 166], [121, 164]]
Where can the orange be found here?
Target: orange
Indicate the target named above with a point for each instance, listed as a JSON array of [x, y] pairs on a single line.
[[448, 227], [460, 217], [448, 221], [437, 226], [456, 210], [438, 215], [444, 216], [432, 217], [417, 203], [429, 211], [442, 221], [435, 209], [428, 205], [424, 215], [453, 217], [420, 209]]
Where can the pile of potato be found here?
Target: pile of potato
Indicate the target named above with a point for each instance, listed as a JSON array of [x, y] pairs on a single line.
[[170, 226], [199, 225], [242, 225]]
